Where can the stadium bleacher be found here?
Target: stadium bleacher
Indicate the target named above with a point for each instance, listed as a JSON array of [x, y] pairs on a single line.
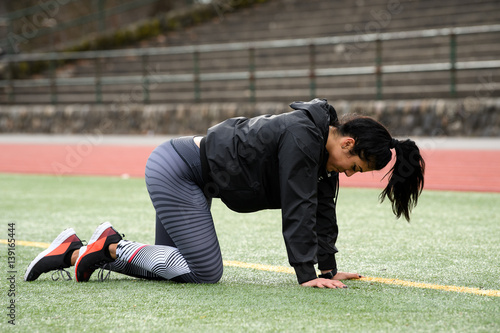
[[287, 20]]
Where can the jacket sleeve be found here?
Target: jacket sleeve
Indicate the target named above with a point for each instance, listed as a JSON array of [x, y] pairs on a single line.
[[326, 222], [298, 170]]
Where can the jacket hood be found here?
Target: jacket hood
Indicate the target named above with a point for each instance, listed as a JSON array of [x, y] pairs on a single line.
[[317, 108]]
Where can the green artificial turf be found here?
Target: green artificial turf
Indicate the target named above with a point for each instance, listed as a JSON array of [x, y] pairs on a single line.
[[453, 239]]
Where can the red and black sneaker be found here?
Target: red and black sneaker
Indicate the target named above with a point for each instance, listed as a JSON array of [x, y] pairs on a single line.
[[96, 253], [56, 257]]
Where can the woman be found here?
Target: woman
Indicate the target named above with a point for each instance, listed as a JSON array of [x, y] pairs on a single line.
[[289, 161]]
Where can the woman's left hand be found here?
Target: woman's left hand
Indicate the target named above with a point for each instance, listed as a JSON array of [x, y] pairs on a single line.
[[346, 276]]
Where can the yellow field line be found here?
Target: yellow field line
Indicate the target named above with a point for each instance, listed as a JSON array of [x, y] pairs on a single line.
[[282, 269], [260, 267], [27, 243], [457, 289], [289, 270]]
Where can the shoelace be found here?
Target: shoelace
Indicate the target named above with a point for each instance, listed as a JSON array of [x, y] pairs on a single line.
[[101, 276], [63, 274], [60, 274]]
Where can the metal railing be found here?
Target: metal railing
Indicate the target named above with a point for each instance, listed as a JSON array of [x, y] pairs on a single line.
[[251, 75]]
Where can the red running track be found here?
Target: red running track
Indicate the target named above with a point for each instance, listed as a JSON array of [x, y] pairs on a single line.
[[457, 170]]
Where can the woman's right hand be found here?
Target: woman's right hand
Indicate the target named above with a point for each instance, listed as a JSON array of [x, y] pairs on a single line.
[[324, 283]]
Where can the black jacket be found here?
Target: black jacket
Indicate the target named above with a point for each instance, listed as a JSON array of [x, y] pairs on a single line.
[[279, 161]]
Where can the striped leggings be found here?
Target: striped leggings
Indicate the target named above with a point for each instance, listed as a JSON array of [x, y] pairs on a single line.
[[186, 246]]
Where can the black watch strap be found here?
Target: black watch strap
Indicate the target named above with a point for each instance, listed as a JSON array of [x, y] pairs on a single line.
[[328, 275]]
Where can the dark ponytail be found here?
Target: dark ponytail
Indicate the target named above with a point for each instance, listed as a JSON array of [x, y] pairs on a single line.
[[373, 144], [406, 179]]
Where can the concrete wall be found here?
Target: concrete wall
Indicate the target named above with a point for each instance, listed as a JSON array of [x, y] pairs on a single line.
[[478, 117]]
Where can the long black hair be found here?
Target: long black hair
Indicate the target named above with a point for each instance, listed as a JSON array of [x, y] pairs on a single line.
[[373, 144]]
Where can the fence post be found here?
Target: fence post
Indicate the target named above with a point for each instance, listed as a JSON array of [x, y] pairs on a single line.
[[11, 47], [98, 86], [378, 68], [145, 79], [312, 71], [53, 86], [196, 78], [453, 68], [251, 70], [10, 79]]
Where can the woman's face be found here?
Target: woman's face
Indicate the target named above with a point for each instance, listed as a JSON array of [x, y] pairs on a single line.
[[340, 159]]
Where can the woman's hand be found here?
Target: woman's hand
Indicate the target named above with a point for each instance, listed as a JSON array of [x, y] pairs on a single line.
[[332, 283], [346, 276], [324, 283]]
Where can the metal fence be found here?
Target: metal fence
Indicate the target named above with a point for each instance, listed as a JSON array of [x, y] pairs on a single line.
[[251, 75]]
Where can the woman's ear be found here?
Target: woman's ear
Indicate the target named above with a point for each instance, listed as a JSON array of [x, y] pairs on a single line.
[[347, 143]]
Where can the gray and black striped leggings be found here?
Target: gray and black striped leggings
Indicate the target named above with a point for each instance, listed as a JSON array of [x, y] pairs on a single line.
[[186, 246]]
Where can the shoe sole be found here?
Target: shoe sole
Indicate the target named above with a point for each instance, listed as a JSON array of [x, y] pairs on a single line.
[[54, 245], [95, 236]]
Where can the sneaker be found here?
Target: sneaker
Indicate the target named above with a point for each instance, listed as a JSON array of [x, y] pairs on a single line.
[[96, 253], [56, 257]]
